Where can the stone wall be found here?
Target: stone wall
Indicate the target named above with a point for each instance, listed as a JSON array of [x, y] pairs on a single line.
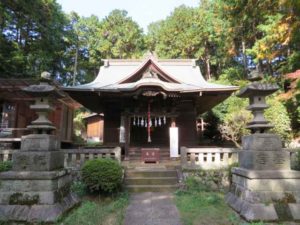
[[214, 180]]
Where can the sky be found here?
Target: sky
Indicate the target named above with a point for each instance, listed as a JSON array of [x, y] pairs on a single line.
[[142, 11]]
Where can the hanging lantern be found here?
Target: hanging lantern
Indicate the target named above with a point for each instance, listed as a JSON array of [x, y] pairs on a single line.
[[165, 120], [134, 121], [159, 121], [155, 122], [150, 123]]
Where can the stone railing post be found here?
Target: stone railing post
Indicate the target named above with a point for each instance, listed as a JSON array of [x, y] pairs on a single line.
[[117, 151], [183, 156]]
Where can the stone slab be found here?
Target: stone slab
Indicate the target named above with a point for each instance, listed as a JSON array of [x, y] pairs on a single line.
[[265, 196], [42, 197], [32, 175], [265, 160], [252, 212], [34, 185], [275, 185], [37, 213], [39, 142], [262, 142], [38, 161], [266, 174], [295, 210], [152, 209]]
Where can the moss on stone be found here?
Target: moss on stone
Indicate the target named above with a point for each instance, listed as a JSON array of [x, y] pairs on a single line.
[[23, 199]]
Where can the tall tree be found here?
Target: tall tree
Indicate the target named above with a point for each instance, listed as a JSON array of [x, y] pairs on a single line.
[[119, 36], [192, 33], [31, 37]]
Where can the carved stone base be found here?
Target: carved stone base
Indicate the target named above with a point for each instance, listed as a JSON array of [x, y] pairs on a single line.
[[37, 213], [265, 195], [32, 196]]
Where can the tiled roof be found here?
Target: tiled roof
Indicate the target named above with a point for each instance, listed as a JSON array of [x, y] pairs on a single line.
[[184, 73]]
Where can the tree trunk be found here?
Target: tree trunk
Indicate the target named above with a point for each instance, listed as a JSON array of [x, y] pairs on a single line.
[[208, 73], [75, 66], [270, 68], [244, 57]]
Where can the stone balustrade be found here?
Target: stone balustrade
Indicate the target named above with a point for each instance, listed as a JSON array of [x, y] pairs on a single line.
[[74, 158], [208, 158], [6, 155]]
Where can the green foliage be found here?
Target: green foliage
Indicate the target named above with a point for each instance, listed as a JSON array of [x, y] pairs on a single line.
[[5, 166], [100, 211], [234, 126], [78, 122], [31, 37], [233, 76], [278, 116], [120, 36], [195, 185], [102, 175], [79, 188], [233, 117]]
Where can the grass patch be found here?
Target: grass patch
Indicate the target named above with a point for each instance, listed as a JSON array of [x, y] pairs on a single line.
[[98, 211], [5, 166], [204, 208], [197, 205]]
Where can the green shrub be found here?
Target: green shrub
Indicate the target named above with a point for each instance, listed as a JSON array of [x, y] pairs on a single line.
[[78, 188], [102, 175], [5, 166]]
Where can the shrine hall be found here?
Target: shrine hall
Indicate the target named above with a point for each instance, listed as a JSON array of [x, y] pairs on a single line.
[[150, 102]]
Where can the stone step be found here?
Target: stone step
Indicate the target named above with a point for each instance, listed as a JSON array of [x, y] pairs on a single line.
[[139, 158], [151, 181], [150, 173], [139, 153], [152, 188], [139, 150]]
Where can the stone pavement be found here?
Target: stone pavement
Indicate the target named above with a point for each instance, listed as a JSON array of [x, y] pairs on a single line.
[[152, 208]]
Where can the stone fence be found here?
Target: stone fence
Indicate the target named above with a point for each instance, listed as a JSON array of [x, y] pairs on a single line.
[[74, 158], [217, 158], [208, 158]]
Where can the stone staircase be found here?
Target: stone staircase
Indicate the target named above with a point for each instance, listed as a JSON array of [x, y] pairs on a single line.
[[151, 179]]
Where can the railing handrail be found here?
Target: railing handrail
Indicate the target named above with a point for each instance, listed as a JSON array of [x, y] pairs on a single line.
[[89, 150], [71, 154], [210, 150]]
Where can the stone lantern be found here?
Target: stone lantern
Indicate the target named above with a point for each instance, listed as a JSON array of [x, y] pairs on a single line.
[[37, 190], [257, 92], [263, 188]]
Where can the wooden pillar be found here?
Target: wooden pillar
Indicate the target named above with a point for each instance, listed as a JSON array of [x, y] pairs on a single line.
[[127, 135], [124, 138]]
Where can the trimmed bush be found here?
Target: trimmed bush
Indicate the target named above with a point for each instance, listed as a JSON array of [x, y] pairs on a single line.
[[102, 175], [5, 166]]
